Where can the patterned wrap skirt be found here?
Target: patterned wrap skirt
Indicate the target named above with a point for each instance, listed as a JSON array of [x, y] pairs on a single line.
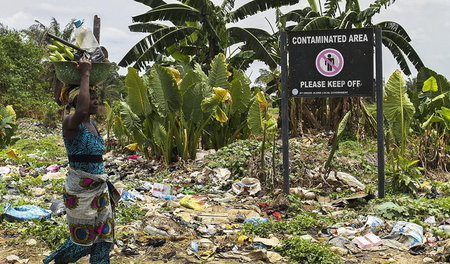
[[89, 200]]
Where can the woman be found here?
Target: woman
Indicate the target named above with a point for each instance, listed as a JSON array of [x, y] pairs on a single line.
[[87, 195]]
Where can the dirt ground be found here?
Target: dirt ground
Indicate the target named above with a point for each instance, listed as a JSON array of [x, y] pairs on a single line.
[[35, 254]]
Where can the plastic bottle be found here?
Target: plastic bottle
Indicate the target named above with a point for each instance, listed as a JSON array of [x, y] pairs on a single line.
[[167, 197], [84, 38], [153, 231]]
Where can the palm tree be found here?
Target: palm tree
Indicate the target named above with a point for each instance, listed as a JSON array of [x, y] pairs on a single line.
[[197, 31], [38, 32]]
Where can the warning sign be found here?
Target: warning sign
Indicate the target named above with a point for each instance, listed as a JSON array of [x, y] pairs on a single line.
[[329, 63]]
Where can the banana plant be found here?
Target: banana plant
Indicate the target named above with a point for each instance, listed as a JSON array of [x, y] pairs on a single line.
[[398, 110], [197, 31], [262, 121], [167, 110], [434, 94], [230, 115], [433, 114]]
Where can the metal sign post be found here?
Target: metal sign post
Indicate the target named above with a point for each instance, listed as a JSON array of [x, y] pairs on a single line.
[[284, 111], [331, 63], [380, 118]]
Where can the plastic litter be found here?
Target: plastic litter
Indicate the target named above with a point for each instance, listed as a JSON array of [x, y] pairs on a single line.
[[250, 185], [445, 228], [160, 190], [168, 197], [4, 170], [270, 211], [84, 37], [26, 212], [407, 233], [272, 241], [348, 180], [194, 246], [133, 157], [192, 202], [368, 241], [53, 168], [304, 193], [256, 220], [374, 222], [57, 207], [352, 201], [153, 231], [128, 196], [156, 242]]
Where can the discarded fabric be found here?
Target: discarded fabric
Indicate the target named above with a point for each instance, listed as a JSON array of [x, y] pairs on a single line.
[[26, 212]]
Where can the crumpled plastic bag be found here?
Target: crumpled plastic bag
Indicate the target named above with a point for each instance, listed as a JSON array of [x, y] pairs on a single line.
[[95, 56], [26, 212], [252, 185], [57, 207], [407, 233], [193, 202], [53, 168]]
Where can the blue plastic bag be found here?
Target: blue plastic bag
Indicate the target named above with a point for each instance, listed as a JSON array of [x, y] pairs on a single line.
[[129, 197], [26, 212], [256, 220]]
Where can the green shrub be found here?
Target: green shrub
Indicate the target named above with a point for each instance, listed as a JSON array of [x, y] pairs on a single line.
[[52, 115], [234, 157], [303, 251], [128, 212], [299, 225], [54, 233], [22, 79], [8, 126]]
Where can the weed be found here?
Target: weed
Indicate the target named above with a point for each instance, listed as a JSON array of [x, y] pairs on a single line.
[[128, 212], [234, 157], [406, 208], [51, 232], [303, 251], [299, 225], [37, 153], [443, 187], [264, 229]]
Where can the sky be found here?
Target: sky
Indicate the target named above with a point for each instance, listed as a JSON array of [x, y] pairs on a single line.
[[423, 20]]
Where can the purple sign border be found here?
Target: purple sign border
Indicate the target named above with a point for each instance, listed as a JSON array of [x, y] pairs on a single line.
[[322, 56]]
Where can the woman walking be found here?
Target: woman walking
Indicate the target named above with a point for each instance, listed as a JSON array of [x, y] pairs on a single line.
[[88, 195]]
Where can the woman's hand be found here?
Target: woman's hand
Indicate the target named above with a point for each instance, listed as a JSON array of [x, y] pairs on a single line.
[[84, 66]]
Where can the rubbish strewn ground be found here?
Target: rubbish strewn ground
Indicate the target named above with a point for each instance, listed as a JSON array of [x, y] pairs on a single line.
[[219, 209]]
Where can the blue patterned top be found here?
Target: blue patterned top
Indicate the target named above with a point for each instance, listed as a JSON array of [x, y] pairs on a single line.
[[86, 143]]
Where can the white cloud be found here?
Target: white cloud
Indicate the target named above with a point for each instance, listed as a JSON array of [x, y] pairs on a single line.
[[113, 34], [18, 20], [58, 9]]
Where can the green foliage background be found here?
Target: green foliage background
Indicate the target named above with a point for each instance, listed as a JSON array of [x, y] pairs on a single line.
[[22, 82]]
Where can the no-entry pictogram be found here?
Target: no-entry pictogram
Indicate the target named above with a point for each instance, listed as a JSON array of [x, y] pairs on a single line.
[[329, 62]]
